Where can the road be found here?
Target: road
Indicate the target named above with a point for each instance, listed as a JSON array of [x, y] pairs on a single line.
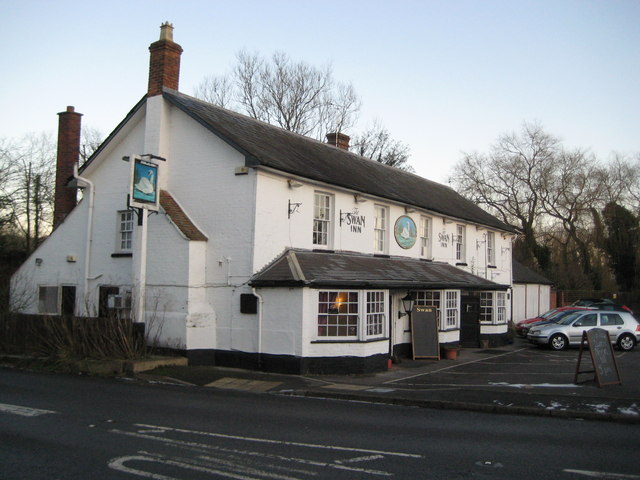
[[67, 427]]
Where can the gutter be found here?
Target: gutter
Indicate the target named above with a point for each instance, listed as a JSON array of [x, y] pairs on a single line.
[[87, 251]]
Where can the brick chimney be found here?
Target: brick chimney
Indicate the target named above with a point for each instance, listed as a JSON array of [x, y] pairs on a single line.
[[68, 155], [339, 140], [164, 62]]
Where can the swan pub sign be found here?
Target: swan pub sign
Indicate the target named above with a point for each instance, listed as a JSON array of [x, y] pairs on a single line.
[[143, 192]]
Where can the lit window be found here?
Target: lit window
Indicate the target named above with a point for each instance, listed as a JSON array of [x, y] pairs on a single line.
[[459, 243], [125, 230], [491, 248], [322, 219], [380, 229], [338, 314], [425, 237]]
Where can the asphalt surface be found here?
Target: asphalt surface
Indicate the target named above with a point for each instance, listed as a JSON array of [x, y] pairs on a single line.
[[515, 379]]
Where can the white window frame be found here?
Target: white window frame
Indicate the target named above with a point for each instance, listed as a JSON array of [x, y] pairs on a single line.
[[451, 317], [487, 307], [501, 307], [322, 219], [493, 307], [491, 248], [459, 243], [43, 304], [124, 233], [376, 313], [381, 229], [426, 249], [370, 313]]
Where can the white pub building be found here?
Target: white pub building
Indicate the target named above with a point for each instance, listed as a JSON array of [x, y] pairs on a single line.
[[241, 244]]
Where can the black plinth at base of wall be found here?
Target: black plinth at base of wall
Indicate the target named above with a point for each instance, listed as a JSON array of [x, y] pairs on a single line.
[[289, 364]]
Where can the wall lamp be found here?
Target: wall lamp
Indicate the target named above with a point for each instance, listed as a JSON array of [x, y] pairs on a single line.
[[294, 183], [359, 198], [407, 304]]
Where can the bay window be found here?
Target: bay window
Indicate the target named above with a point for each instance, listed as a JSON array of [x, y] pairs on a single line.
[[493, 307], [352, 314]]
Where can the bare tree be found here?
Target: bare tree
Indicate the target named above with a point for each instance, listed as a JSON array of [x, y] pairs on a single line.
[[90, 140], [376, 143], [571, 196], [293, 95], [508, 181], [30, 186]]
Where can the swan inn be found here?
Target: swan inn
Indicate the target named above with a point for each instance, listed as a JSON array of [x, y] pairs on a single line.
[[241, 244]]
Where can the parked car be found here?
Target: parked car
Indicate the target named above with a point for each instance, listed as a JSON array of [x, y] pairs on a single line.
[[623, 328], [522, 325], [601, 304], [555, 318]]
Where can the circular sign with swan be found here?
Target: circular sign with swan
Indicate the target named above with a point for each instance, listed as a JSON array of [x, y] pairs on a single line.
[[405, 232]]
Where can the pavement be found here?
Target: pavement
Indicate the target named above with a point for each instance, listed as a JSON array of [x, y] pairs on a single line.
[[514, 379]]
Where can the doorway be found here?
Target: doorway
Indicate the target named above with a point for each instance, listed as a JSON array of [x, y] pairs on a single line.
[[470, 321]]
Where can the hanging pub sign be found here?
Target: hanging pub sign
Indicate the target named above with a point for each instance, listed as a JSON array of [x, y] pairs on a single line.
[[405, 232], [143, 186]]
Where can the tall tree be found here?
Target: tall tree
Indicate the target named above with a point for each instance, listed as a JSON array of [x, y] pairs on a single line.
[[376, 143], [29, 186], [302, 99], [621, 243], [568, 197], [293, 95], [509, 179]]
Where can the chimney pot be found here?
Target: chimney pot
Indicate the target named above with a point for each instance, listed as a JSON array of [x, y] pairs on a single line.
[[339, 140], [166, 32]]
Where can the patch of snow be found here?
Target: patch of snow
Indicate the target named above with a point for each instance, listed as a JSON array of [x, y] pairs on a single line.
[[599, 407], [530, 385]]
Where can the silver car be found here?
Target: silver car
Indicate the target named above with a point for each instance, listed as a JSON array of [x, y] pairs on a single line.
[[623, 328]]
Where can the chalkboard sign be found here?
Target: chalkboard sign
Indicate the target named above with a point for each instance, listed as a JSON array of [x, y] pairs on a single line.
[[424, 332], [602, 357]]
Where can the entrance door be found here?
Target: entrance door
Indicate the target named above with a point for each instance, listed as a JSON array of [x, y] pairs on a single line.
[[470, 322]]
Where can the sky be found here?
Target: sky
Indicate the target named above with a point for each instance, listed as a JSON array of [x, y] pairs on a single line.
[[444, 77]]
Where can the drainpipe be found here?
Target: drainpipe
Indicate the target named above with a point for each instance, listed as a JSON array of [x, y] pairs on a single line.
[[260, 307], [87, 251]]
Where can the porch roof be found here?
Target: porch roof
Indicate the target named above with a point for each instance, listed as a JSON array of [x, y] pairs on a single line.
[[313, 268]]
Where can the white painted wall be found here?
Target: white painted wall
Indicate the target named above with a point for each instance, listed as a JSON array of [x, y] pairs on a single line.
[[275, 232], [530, 300]]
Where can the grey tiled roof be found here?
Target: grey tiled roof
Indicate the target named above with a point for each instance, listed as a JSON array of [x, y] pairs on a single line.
[[297, 267], [522, 274], [270, 146]]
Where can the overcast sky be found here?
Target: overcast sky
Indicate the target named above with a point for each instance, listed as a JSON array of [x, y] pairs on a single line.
[[444, 77]]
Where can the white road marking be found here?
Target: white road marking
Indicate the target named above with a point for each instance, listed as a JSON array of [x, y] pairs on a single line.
[[604, 475], [204, 446], [453, 366], [23, 411], [280, 442]]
